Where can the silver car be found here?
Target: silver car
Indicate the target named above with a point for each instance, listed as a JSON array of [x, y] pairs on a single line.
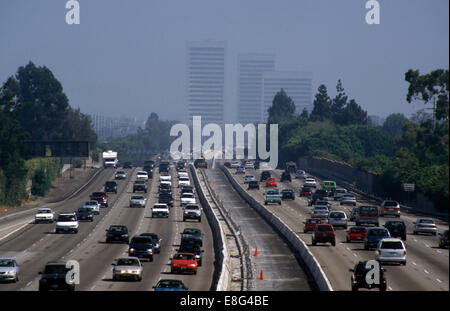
[[138, 200], [425, 225], [389, 207], [127, 268], [348, 199], [320, 212], [240, 170], [94, 205], [9, 270], [248, 178], [300, 174], [391, 250], [338, 219], [338, 193]]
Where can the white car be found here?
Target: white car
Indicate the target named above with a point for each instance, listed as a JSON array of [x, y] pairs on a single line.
[[249, 178], [250, 165], [183, 174], [167, 182], [160, 210], [44, 215], [338, 193], [165, 178], [338, 219], [391, 250], [93, 205], [235, 164], [300, 174], [310, 182], [67, 222], [120, 175], [142, 175], [138, 200], [192, 211], [184, 181], [320, 212], [187, 198], [127, 268]]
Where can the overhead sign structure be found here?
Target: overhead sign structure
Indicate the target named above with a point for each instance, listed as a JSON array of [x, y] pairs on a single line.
[[69, 149]]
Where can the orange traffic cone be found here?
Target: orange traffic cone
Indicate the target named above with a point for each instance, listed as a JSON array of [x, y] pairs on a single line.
[[261, 275], [256, 251]]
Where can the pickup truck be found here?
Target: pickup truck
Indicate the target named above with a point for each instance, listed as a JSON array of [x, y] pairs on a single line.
[[44, 215], [140, 185], [100, 197], [367, 215], [160, 210], [272, 196]]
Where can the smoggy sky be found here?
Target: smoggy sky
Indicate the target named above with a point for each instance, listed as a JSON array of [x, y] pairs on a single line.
[[128, 58]]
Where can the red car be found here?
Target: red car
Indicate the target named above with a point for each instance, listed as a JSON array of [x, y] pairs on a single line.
[[356, 234], [184, 262], [324, 233], [100, 197], [271, 182], [310, 224]]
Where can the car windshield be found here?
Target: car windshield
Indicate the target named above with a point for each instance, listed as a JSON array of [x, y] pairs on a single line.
[[184, 257], [117, 228], [55, 269], [378, 232], [390, 203], [141, 240], [98, 194], [340, 191], [137, 197], [391, 245], [426, 221], [313, 221], [320, 208], [182, 178], [286, 191], [357, 230], [323, 228], [187, 195], [170, 284], [395, 224], [91, 203], [192, 207], [141, 182], [191, 231], [337, 215], [348, 196], [6, 263], [120, 172], [44, 211], [84, 210], [127, 262], [66, 218]]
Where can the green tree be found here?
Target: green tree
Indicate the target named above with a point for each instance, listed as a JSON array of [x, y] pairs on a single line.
[[322, 105], [393, 125], [282, 109]]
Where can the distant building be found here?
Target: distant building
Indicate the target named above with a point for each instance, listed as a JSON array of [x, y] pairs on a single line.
[[250, 72], [206, 81], [108, 127], [297, 85]]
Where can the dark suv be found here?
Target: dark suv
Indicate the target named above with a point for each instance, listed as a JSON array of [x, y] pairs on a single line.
[[253, 184], [324, 233], [111, 186], [192, 235], [287, 194], [265, 175], [397, 229], [85, 213], [286, 176], [358, 278], [141, 247], [117, 233], [54, 277], [375, 235], [166, 198]]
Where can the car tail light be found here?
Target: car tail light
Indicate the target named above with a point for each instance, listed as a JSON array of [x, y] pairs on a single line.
[[383, 277], [445, 238], [404, 253]]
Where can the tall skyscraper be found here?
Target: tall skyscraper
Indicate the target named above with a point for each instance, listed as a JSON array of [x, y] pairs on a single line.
[[250, 71], [297, 85], [206, 81]]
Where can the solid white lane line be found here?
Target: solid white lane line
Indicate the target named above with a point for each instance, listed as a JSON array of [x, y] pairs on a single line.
[[439, 280], [426, 271]]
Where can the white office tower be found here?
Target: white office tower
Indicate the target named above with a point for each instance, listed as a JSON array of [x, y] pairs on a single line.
[[250, 70], [296, 84], [206, 81]]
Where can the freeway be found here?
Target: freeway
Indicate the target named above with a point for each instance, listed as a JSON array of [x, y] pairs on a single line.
[[281, 270], [427, 267], [35, 245]]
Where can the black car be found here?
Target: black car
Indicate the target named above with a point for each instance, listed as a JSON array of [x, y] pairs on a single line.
[[111, 186], [85, 213], [254, 184], [127, 165], [443, 239], [305, 191], [149, 170], [164, 167], [358, 278], [265, 175], [192, 235], [287, 194], [165, 187], [321, 192], [141, 247], [140, 185], [187, 189], [54, 277], [314, 197], [180, 165], [193, 248], [166, 198], [286, 176], [156, 241], [117, 233], [397, 229], [165, 191]]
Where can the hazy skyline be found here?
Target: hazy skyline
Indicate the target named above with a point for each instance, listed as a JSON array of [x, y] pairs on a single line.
[[129, 58]]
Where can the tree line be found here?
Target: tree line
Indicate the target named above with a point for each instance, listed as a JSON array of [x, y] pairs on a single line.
[[33, 106], [401, 150]]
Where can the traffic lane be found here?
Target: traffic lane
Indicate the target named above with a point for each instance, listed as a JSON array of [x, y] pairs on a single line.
[[63, 246], [280, 268], [40, 244], [416, 277]]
